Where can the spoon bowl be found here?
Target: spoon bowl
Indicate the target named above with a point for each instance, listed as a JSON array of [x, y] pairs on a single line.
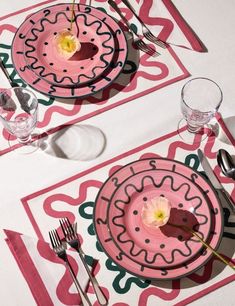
[[226, 163]]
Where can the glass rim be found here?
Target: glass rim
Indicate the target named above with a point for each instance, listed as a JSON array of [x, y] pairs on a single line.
[[21, 88], [202, 78]]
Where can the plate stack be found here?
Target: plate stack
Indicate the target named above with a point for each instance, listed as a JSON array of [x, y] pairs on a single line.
[[167, 252], [95, 66]]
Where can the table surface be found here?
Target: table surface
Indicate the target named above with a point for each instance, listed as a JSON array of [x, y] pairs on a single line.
[[214, 23]]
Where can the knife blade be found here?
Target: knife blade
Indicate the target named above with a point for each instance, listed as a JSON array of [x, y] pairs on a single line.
[[214, 180]]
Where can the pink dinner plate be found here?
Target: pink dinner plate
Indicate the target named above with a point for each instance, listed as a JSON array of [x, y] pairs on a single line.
[[102, 81], [140, 168], [95, 55], [165, 246]]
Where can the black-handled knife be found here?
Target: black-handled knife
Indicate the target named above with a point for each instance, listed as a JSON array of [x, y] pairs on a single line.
[[214, 180]]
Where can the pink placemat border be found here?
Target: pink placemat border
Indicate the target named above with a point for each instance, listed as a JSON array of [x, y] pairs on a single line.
[[25, 200], [189, 34]]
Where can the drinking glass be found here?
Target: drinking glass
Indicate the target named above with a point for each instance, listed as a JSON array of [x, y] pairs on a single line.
[[200, 100], [18, 113]]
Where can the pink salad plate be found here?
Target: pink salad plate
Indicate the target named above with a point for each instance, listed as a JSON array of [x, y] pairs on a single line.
[[117, 211], [165, 246], [95, 55], [113, 70]]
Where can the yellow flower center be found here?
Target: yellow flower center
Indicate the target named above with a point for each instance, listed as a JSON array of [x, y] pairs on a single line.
[[67, 43], [159, 215]]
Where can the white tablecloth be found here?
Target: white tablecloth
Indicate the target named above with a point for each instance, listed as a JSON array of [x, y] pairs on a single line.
[[125, 127]]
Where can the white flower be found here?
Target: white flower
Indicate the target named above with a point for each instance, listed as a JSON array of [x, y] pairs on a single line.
[[156, 212], [67, 44]]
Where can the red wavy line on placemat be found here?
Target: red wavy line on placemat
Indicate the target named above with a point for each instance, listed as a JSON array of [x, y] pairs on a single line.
[[47, 205], [58, 109], [192, 38], [64, 284], [7, 27], [164, 71], [166, 296], [25, 9]]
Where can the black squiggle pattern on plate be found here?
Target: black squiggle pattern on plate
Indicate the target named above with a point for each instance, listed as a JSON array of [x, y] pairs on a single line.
[[117, 219], [41, 70]]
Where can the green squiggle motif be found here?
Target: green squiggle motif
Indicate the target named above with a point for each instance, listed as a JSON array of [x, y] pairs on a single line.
[[46, 103], [14, 76], [192, 158], [82, 212], [121, 275]]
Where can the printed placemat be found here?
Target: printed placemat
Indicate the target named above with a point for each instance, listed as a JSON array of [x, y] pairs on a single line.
[[74, 198], [141, 73]]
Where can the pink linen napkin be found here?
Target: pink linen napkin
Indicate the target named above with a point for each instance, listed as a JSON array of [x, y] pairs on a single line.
[[45, 273]]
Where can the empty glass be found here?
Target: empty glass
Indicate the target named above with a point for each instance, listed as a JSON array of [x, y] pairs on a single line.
[[200, 100], [18, 113]]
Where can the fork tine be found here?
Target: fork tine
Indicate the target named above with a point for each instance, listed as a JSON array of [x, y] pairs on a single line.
[[63, 227], [154, 39], [57, 238], [69, 226], [146, 48], [66, 227], [51, 239]]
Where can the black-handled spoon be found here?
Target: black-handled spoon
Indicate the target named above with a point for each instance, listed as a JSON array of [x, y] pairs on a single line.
[[226, 163]]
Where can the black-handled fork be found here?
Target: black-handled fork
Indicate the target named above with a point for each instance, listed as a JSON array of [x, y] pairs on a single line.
[[71, 238], [60, 251]]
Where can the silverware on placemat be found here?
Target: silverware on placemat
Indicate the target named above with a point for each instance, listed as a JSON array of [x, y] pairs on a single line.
[[60, 251], [214, 180], [72, 239], [226, 163], [139, 43], [146, 32]]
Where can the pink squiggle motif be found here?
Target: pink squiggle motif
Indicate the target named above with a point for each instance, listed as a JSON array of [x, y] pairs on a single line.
[[133, 80], [149, 155], [7, 27], [208, 149], [206, 275], [179, 144], [167, 24], [167, 296], [47, 205], [64, 284], [125, 11], [114, 169], [57, 109]]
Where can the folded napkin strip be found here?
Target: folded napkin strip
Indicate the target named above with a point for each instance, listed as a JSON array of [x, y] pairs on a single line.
[[45, 273]]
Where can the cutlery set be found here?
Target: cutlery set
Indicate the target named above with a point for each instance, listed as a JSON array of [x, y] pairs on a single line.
[[214, 180], [71, 237], [138, 41]]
